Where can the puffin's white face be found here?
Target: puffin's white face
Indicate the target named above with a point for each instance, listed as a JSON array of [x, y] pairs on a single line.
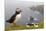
[[18, 10]]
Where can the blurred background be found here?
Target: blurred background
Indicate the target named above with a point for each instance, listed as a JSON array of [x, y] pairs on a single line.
[[33, 9]]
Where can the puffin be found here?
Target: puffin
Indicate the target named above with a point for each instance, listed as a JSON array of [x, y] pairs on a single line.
[[15, 17]]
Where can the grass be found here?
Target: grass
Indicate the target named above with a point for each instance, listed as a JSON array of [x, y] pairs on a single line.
[[41, 25]]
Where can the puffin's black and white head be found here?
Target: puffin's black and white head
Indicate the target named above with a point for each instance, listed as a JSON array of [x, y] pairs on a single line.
[[18, 11], [15, 16]]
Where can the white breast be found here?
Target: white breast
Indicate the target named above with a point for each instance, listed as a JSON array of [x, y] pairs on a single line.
[[18, 17]]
